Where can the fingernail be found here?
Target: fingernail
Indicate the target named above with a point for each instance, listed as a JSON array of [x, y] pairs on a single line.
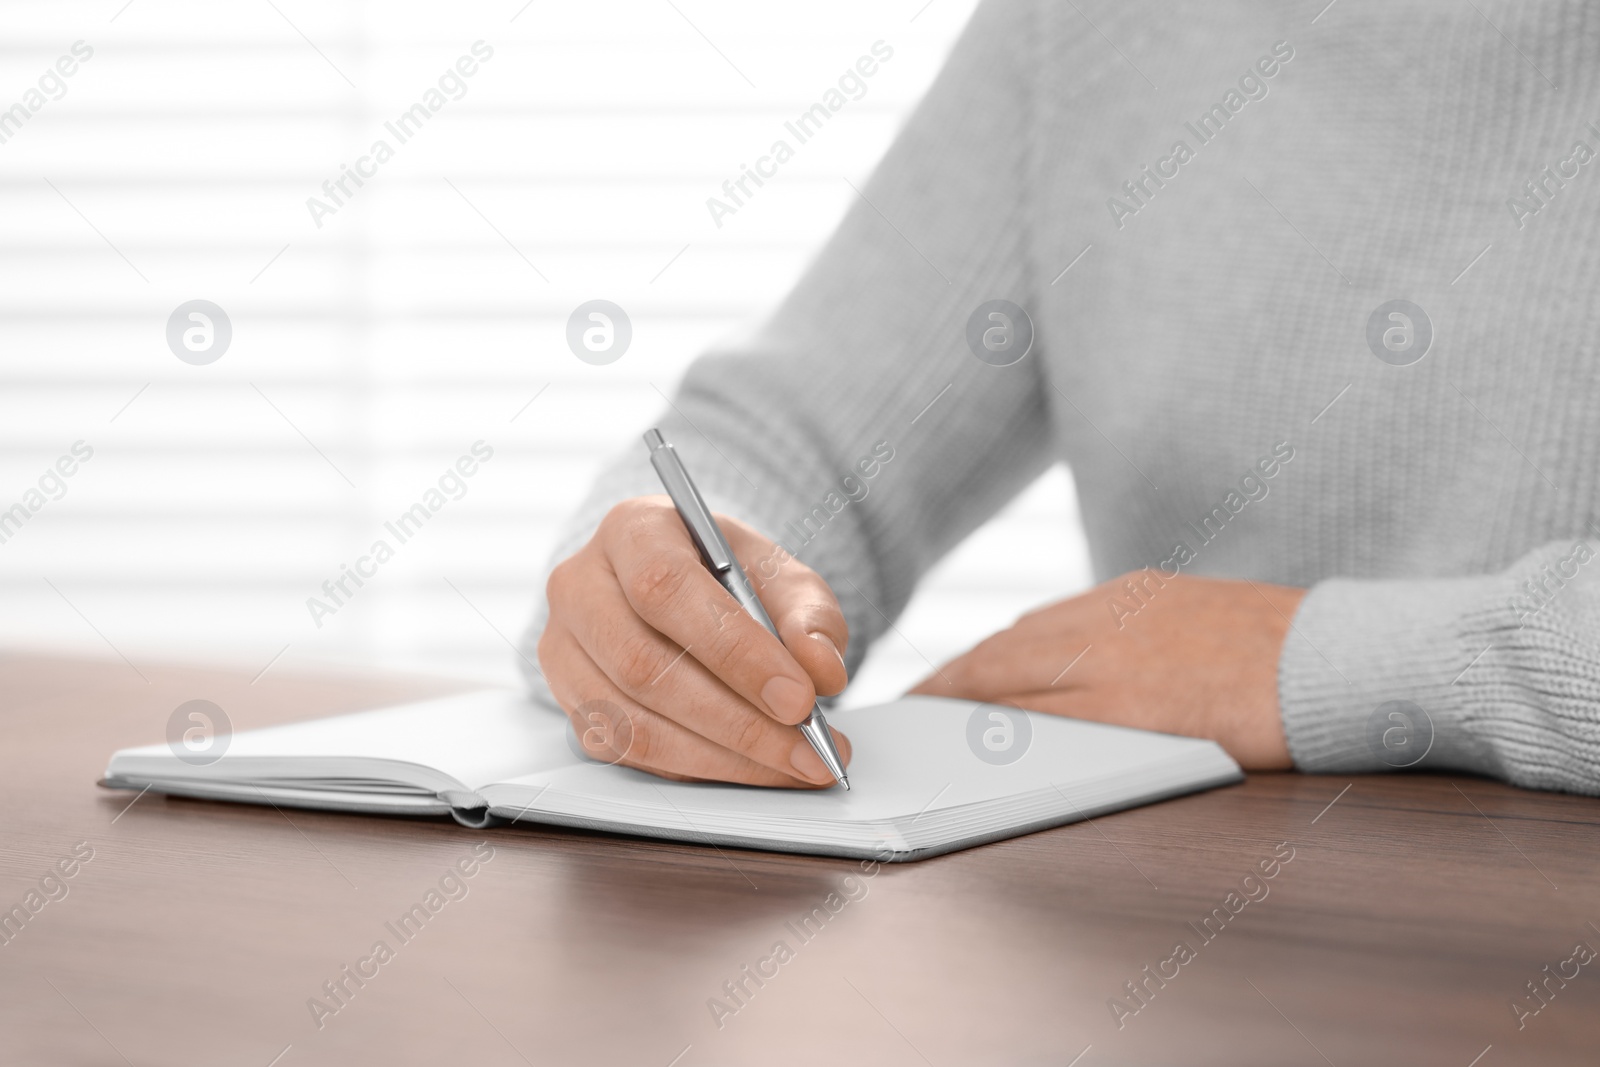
[[786, 698], [808, 764], [827, 642]]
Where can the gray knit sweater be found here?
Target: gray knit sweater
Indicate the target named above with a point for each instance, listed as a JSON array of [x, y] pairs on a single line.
[[1224, 309]]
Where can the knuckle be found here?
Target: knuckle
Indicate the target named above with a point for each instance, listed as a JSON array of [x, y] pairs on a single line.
[[543, 649], [630, 528], [595, 732], [638, 523], [644, 746], [558, 581], [656, 581], [638, 662], [739, 643], [620, 516], [748, 734]]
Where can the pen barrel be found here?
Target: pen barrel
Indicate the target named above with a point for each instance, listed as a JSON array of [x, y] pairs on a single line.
[[719, 558], [703, 530], [737, 583]]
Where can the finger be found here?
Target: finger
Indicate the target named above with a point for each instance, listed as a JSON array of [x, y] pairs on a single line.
[[661, 575], [931, 686], [1023, 658], [1253, 738], [657, 674], [1101, 704], [980, 673], [634, 735], [801, 604]]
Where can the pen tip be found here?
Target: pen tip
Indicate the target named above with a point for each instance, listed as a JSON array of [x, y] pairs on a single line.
[[845, 781]]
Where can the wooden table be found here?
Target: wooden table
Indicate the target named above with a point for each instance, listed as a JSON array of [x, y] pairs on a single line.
[[1412, 914]]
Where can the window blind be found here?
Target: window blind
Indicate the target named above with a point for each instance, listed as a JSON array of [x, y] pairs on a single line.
[[538, 156]]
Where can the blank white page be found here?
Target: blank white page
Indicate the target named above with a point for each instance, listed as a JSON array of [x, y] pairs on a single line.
[[474, 738], [910, 758]]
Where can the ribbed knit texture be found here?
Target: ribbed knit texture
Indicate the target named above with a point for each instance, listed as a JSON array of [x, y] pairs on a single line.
[[1221, 321]]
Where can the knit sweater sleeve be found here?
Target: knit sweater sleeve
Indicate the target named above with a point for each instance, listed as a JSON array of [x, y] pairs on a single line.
[[867, 361], [1497, 674]]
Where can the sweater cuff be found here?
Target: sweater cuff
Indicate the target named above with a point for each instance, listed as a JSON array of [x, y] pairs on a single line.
[[1376, 675]]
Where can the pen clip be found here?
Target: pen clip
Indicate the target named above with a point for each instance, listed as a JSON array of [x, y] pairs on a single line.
[[703, 529]]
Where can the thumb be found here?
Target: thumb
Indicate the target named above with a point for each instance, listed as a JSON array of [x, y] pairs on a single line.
[[807, 614]]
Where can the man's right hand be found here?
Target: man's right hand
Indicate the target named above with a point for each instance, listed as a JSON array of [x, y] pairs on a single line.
[[659, 668]]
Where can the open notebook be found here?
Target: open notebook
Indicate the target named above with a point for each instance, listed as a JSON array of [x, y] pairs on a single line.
[[488, 757]]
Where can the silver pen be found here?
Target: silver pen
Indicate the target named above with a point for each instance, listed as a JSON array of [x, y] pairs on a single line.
[[717, 555]]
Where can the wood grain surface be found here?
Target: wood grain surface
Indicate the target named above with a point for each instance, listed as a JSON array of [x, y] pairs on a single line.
[[1405, 927]]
